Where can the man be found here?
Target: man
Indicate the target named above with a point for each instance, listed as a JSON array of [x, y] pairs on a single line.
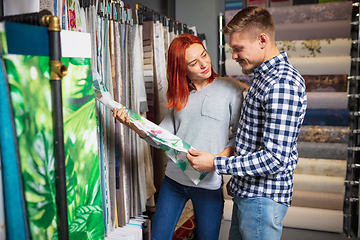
[[271, 118]]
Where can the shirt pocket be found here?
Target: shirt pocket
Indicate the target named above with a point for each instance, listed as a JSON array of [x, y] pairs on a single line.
[[214, 108]]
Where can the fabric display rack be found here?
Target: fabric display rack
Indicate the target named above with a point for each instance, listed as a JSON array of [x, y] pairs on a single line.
[[68, 169], [323, 58]]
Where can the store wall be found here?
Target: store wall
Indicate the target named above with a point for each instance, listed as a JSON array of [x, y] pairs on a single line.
[[204, 14], [156, 5]]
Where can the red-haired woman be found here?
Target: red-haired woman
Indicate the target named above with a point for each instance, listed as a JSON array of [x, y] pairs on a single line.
[[203, 110]]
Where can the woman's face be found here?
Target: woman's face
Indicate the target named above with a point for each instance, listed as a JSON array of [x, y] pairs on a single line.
[[198, 63]]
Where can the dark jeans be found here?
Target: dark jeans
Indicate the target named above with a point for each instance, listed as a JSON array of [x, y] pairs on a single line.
[[208, 210]]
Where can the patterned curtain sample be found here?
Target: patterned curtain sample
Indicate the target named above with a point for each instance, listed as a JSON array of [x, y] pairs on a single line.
[[30, 94]]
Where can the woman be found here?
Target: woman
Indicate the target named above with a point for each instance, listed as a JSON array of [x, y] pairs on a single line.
[[202, 109]]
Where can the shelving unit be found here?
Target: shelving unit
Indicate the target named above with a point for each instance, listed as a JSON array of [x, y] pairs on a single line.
[[351, 201]]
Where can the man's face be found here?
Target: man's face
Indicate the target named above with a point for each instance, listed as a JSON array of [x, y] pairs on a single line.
[[247, 51]]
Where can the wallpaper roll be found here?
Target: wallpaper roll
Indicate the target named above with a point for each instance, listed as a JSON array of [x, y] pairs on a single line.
[[286, 12], [322, 167], [316, 47], [320, 200], [308, 13], [306, 66], [232, 67], [228, 208], [327, 117], [323, 150], [326, 83], [322, 65], [314, 219], [324, 184], [330, 134], [327, 100], [312, 30]]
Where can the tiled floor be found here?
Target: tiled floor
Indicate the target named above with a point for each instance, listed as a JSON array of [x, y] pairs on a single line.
[[293, 234]]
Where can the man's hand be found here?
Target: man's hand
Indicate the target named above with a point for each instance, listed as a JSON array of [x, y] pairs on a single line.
[[201, 161]]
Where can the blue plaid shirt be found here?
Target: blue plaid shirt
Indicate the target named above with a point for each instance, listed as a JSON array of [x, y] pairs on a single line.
[[266, 150]]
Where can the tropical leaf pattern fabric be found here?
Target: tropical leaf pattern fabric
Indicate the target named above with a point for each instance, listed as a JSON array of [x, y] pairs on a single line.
[[31, 99]]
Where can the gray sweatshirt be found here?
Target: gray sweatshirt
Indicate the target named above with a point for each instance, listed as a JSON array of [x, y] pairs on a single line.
[[208, 122]]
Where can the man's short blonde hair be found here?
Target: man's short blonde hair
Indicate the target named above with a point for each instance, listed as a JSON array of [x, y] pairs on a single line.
[[255, 19]]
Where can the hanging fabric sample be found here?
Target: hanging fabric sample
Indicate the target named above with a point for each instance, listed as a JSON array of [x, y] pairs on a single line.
[[122, 187], [28, 71], [14, 199], [2, 209], [173, 146], [139, 103], [160, 69]]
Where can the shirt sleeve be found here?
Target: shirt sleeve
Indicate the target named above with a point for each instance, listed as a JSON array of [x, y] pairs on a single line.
[[284, 107]]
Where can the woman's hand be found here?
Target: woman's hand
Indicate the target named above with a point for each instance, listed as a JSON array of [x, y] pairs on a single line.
[[122, 116]]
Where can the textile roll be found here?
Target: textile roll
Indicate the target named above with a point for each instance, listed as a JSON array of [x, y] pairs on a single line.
[[228, 207], [320, 200], [314, 83], [327, 117], [316, 47], [121, 207], [331, 134], [326, 100], [322, 65], [324, 167], [309, 13], [300, 13], [314, 219], [323, 150], [326, 83], [232, 67], [313, 30], [334, 65], [324, 184]]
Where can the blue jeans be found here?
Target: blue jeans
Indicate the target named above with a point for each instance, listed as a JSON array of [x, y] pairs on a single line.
[[256, 218], [208, 210]]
